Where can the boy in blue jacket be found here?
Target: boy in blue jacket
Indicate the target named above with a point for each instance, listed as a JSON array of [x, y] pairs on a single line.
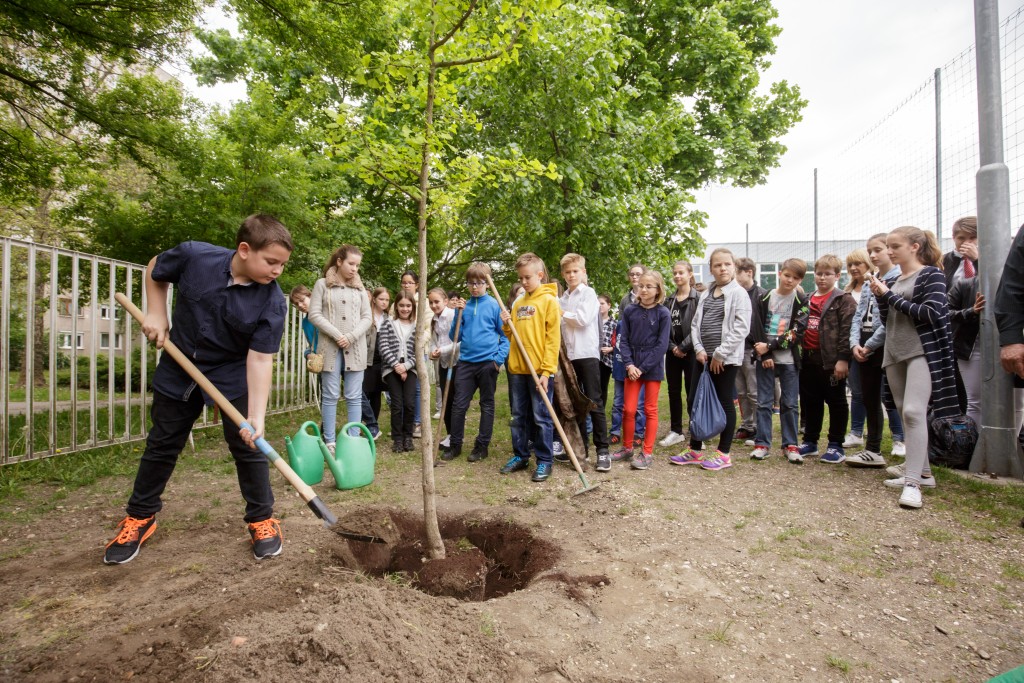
[[484, 348]]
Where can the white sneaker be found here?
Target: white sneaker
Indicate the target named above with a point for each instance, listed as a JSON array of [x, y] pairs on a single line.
[[417, 432], [897, 470], [436, 415], [911, 497], [671, 439], [853, 440], [760, 453], [866, 459], [900, 482], [748, 442], [898, 448], [447, 441]]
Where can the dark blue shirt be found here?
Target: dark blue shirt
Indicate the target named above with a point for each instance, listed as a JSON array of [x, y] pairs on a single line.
[[215, 322]]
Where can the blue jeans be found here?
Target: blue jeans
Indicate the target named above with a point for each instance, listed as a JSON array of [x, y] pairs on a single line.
[[617, 402], [331, 392], [857, 411], [530, 418], [789, 381]]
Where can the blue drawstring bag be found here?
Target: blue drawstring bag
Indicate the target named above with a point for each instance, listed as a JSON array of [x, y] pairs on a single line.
[[708, 417]]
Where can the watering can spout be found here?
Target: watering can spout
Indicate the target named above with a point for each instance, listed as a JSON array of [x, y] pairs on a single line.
[[354, 458]]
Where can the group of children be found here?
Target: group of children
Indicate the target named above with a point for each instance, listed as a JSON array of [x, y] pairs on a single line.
[[888, 335]]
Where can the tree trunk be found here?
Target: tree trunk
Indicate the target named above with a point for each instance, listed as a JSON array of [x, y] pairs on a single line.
[[434, 542]]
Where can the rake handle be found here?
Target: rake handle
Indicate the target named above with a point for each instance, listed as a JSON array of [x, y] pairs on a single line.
[[536, 381]]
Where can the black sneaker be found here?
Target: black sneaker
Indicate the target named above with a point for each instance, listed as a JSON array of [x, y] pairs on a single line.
[[408, 444], [604, 461], [542, 472], [399, 446], [515, 464], [266, 538], [133, 533], [478, 454], [451, 452], [742, 434]]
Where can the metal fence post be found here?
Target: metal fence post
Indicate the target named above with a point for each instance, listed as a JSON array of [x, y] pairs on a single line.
[[996, 452], [938, 154], [815, 214]]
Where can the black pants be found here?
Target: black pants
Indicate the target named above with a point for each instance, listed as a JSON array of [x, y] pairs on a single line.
[[373, 387], [818, 388], [725, 389], [871, 394], [473, 376], [403, 404], [606, 375], [172, 423], [588, 375], [442, 382], [680, 374]]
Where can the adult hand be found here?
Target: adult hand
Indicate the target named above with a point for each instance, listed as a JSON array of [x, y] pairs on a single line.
[[842, 369], [979, 303], [1012, 359], [702, 357], [969, 250], [717, 366]]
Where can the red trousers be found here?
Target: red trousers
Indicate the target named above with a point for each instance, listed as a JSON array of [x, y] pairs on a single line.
[[631, 396]]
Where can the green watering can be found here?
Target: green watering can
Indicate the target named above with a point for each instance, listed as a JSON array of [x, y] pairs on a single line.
[[354, 458], [306, 453]]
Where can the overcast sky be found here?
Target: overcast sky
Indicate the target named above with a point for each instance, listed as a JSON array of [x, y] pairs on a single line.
[[854, 62]]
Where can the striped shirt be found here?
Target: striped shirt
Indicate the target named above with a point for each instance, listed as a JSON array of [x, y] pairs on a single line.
[[711, 323]]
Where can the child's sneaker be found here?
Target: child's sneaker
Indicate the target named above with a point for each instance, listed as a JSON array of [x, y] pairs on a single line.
[[794, 456], [897, 470], [642, 461], [133, 533], [899, 448], [514, 464], [558, 451], [671, 439], [542, 472], [833, 455], [742, 434], [808, 450], [853, 440], [688, 457], [622, 455], [616, 439], [719, 462], [760, 453], [911, 497], [604, 461], [266, 538], [866, 459], [900, 482]]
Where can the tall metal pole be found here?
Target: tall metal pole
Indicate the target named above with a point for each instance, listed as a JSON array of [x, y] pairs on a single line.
[[747, 252], [938, 154], [996, 452], [815, 214]]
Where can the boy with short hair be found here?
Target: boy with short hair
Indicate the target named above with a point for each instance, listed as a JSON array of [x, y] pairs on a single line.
[[536, 316], [229, 317], [581, 330], [746, 378], [825, 361], [784, 315], [483, 348]]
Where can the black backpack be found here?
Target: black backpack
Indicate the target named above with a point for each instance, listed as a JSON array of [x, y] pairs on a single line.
[[951, 441]]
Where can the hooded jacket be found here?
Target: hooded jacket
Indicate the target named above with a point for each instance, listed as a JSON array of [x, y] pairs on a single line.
[[481, 334], [538, 320]]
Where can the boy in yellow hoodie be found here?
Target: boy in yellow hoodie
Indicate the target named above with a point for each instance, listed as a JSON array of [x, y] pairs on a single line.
[[537, 317]]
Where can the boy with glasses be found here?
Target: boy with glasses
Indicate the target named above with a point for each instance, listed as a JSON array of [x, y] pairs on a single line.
[[483, 349]]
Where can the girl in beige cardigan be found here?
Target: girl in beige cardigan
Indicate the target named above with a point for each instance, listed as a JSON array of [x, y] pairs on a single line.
[[340, 310]]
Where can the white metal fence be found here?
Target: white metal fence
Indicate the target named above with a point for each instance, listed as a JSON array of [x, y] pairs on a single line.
[[74, 366]]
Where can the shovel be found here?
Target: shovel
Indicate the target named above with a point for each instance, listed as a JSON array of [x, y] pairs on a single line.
[[587, 486], [230, 412]]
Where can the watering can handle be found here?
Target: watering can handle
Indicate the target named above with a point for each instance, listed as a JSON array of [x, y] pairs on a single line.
[[309, 423], [366, 431]]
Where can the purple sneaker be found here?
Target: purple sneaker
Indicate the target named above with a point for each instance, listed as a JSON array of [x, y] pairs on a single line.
[[719, 462], [687, 458]]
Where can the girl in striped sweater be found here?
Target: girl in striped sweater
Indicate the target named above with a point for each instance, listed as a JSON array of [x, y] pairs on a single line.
[[918, 356]]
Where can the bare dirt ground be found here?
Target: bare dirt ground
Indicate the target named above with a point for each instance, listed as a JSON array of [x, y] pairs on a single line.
[[765, 572]]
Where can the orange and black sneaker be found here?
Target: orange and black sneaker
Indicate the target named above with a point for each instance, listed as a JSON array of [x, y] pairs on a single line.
[[267, 540], [133, 533]]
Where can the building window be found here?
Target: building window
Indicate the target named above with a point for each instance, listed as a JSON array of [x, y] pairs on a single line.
[[105, 340], [105, 312], [64, 340], [769, 278]]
